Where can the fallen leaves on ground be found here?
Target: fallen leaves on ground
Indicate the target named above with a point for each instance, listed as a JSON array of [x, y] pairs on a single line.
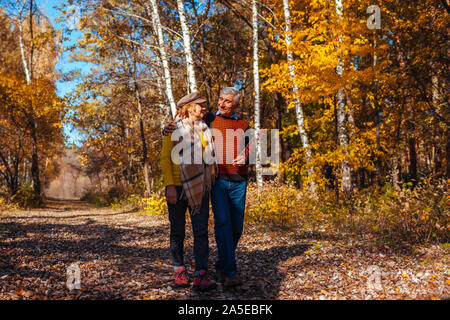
[[124, 255]]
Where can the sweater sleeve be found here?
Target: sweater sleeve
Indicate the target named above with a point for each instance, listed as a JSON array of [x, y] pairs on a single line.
[[166, 163], [209, 118]]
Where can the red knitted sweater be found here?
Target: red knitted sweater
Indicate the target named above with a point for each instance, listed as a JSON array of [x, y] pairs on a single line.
[[226, 150]]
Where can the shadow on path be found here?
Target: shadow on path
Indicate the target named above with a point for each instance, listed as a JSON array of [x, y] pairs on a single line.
[[44, 251], [261, 273], [119, 262]]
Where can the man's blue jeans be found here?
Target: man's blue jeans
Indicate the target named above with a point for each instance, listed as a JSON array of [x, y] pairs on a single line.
[[228, 205]]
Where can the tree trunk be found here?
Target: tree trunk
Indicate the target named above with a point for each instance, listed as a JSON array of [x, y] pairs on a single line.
[[346, 172], [378, 164], [257, 124], [187, 47], [10, 177], [22, 48], [336, 143], [447, 98], [447, 152], [35, 172], [412, 157], [163, 54], [30, 57], [395, 172], [437, 132], [143, 140], [25, 170], [395, 165], [298, 105]]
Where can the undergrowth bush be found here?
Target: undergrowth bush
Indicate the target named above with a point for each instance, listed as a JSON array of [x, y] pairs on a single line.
[[23, 198], [114, 196], [7, 205], [120, 198], [154, 205], [415, 215]]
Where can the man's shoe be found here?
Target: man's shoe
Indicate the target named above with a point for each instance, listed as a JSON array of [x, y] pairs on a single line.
[[220, 277], [181, 278], [233, 281], [201, 282]]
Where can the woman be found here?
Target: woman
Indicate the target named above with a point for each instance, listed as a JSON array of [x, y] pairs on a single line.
[[188, 185]]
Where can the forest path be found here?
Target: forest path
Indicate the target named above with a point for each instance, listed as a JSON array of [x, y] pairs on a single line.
[[124, 255]]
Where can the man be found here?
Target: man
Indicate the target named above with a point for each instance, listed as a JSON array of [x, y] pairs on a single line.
[[229, 191]]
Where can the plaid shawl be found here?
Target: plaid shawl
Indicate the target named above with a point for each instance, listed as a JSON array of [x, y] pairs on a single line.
[[197, 178]]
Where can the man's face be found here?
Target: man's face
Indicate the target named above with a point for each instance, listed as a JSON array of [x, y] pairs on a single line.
[[226, 105]]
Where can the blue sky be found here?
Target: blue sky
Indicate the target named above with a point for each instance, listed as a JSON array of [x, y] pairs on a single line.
[[65, 65]]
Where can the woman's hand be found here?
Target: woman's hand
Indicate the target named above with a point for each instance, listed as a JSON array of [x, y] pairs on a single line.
[[171, 194]]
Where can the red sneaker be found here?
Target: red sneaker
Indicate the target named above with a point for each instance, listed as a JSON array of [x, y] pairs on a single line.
[[201, 282], [181, 278]]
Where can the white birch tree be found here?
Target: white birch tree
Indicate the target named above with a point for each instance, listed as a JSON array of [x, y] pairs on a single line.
[[298, 105], [187, 47], [28, 70], [20, 7], [341, 117], [157, 27], [257, 121]]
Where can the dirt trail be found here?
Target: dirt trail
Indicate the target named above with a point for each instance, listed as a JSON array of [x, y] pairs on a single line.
[[124, 255]]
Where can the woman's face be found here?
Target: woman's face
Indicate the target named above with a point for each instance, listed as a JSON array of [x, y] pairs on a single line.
[[197, 112]]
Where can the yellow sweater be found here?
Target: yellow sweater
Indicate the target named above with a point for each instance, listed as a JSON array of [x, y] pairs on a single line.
[[171, 171]]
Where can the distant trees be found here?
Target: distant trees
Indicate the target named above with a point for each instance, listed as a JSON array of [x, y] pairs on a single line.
[[31, 113]]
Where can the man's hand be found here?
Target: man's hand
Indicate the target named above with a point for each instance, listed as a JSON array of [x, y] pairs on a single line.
[[171, 194], [169, 128], [239, 161]]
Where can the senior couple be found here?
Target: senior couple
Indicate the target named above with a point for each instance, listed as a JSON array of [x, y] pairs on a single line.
[[190, 185]]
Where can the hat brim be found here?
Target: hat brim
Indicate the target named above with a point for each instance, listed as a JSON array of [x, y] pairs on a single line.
[[199, 101]]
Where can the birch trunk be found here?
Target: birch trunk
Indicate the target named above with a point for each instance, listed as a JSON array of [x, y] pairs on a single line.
[[257, 121], [341, 118], [298, 105], [22, 53], [25, 170], [437, 132], [187, 47], [20, 8], [27, 65], [30, 57], [162, 49]]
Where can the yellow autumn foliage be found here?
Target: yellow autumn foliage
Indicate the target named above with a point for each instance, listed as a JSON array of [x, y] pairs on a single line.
[[415, 215], [154, 205]]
